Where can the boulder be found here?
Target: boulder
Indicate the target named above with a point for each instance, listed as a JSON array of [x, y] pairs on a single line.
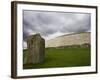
[[36, 49]]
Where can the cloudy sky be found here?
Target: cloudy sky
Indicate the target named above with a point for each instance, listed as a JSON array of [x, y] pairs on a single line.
[[53, 24]]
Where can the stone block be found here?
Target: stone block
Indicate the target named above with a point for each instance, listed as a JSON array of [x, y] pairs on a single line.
[[36, 49]]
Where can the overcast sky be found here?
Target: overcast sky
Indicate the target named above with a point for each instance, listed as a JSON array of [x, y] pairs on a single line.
[[53, 24]]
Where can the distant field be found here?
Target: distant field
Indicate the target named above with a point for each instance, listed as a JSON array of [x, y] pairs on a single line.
[[67, 57]]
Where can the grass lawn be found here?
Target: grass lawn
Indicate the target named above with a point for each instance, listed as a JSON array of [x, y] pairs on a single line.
[[67, 57]]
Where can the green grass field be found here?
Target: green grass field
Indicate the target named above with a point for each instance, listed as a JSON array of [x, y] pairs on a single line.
[[67, 57]]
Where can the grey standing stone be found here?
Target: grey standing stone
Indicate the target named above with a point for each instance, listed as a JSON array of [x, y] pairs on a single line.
[[36, 49]]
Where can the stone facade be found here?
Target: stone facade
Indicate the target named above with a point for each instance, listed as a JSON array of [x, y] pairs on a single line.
[[70, 40]]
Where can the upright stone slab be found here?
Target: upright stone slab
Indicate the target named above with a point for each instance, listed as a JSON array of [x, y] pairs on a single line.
[[36, 49]]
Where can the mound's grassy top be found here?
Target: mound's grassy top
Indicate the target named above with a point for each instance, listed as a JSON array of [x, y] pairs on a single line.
[[67, 57]]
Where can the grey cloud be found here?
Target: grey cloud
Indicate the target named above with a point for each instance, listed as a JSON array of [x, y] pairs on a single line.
[[48, 23]]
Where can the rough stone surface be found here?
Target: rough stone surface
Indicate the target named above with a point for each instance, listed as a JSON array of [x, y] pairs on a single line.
[[36, 49]]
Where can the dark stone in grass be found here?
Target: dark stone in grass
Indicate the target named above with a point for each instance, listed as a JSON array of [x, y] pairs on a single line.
[[36, 49]]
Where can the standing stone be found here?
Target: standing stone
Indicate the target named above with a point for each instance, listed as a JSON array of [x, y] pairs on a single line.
[[36, 49]]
